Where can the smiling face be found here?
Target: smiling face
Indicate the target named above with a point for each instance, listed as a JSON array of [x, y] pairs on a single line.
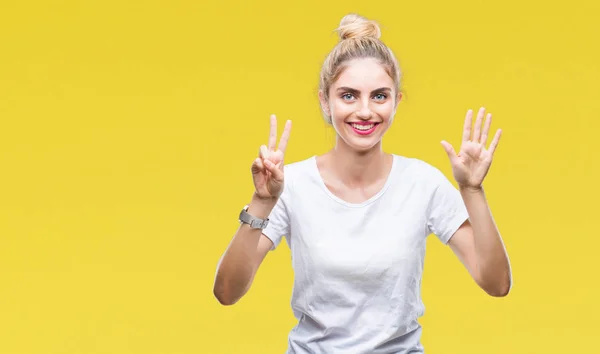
[[361, 103]]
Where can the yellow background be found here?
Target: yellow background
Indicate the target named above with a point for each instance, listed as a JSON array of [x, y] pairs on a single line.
[[128, 129]]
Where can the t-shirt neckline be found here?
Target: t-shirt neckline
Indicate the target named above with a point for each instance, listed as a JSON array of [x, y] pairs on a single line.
[[389, 180]]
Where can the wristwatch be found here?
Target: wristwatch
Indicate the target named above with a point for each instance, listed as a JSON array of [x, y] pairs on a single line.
[[253, 221]]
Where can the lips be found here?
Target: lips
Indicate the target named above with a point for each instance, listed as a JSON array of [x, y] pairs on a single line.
[[363, 128]]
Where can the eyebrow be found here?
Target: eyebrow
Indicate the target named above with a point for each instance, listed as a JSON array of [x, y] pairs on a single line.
[[350, 89]]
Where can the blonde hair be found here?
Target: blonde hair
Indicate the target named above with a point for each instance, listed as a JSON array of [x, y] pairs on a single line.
[[359, 38]]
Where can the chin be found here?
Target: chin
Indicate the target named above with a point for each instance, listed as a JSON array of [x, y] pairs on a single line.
[[366, 148], [362, 144]]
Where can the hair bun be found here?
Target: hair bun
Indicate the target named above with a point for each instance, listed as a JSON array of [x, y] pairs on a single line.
[[356, 26]]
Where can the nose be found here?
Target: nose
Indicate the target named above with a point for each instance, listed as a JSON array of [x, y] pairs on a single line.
[[364, 112]]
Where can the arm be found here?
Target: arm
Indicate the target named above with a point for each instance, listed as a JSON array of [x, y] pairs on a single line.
[[242, 258], [478, 245], [246, 251]]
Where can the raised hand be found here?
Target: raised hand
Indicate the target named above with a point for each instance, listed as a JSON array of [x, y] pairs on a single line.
[[267, 169], [473, 161]]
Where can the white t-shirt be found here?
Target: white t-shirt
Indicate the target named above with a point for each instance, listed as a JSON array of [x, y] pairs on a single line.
[[358, 267]]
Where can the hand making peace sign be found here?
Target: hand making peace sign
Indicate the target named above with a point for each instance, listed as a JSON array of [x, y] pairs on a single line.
[[267, 169], [473, 161]]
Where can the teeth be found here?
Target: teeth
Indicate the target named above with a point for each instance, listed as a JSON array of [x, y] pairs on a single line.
[[362, 126]]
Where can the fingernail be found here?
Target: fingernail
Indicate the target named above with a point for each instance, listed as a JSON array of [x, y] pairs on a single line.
[[264, 152]]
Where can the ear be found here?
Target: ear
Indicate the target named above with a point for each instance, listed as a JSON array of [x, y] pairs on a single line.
[[398, 98], [324, 103]]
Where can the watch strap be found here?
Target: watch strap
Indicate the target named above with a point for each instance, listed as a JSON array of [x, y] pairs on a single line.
[[253, 221]]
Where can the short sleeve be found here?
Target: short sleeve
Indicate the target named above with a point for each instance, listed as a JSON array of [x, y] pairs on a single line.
[[279, 219], [446, 211]]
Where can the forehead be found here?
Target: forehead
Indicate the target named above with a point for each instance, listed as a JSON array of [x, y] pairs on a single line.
[[364, 73]]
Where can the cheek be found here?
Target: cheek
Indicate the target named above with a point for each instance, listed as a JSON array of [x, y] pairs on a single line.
[[340, 111], [385, 111], [339, 108]]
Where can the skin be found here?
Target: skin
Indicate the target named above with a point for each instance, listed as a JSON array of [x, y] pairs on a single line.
[[356, 169]]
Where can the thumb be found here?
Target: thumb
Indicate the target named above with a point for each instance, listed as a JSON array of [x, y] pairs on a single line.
[[450, 151], [274, 169], [257, 166]]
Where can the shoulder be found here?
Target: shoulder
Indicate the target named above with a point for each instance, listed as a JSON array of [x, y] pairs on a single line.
[[423, 177], [300, 166], [419, 169], [298, 171]]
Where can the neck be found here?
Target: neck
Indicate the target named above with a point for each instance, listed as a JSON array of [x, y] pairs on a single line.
[[359, 168]]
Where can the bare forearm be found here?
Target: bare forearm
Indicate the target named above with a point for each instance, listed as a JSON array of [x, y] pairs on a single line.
[[237, 266], [492, 260]]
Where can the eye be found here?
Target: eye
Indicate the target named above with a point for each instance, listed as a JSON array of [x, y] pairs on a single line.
[[347, 96], [380, 96]]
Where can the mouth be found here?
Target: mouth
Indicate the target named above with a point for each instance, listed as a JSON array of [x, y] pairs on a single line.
[[363, 128]]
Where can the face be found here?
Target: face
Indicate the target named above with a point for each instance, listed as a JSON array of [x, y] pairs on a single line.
[[362, 103]]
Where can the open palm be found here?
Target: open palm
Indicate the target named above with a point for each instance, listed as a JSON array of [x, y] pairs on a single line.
[[473, 161]]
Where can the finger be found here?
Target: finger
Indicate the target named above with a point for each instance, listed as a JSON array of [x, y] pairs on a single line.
[[495, 141], [257, 166], [263, 152], [478, 121], [467, 128], [486, 129], [273, 132], [276, 172], [450, 151], [285, 136]]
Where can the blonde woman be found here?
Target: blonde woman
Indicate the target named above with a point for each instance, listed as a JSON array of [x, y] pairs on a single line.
[[356, 218]]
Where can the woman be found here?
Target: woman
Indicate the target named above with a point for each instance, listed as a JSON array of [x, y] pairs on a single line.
[[356, 218]]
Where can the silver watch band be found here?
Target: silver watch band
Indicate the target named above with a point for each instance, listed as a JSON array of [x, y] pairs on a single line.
[[253, 221]]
